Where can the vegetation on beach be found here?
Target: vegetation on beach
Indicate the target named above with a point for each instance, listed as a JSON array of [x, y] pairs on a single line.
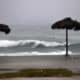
[[39, 73]]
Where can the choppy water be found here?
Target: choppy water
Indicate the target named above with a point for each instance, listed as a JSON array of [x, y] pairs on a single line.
[[37, 40]]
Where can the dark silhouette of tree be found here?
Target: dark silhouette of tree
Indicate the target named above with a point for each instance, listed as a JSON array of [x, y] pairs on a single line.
[[68, 24], [5, 28]]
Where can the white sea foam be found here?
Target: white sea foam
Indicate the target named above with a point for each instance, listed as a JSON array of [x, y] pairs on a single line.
[[35, 53], [11, 43]]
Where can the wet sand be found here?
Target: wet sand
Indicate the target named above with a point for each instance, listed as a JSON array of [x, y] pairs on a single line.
[[16, 63]]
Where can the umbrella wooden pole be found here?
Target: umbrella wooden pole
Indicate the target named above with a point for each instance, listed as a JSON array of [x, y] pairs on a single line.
[[66, 42]]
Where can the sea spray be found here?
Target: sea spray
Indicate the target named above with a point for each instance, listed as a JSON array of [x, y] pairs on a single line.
[[34, 47], [35, 43], [34, 53]]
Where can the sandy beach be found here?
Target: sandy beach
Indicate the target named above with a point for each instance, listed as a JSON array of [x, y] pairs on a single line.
[[16, 63]]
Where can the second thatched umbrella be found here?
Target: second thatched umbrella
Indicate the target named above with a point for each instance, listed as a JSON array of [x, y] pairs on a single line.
[[68, 24]]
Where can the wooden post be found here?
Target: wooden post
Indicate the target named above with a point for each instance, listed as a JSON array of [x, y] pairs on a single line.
[[66, 42]]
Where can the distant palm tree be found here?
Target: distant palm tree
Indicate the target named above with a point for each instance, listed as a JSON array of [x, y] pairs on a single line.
[[5, 28], [68, 24]]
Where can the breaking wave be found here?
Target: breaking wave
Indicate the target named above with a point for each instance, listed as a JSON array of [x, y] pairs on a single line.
[[35, 53], [27, 43], [33, 47]]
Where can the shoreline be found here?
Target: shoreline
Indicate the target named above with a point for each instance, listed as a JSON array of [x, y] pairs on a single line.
[[17, 63]]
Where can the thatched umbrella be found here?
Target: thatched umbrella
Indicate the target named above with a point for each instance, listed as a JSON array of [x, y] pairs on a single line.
[[68, 24], [5, 28]]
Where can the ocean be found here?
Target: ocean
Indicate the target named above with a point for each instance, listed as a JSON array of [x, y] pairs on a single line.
[[26, 40]]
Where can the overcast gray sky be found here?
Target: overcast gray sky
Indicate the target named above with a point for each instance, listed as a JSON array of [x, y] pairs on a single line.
[[36, 12]]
